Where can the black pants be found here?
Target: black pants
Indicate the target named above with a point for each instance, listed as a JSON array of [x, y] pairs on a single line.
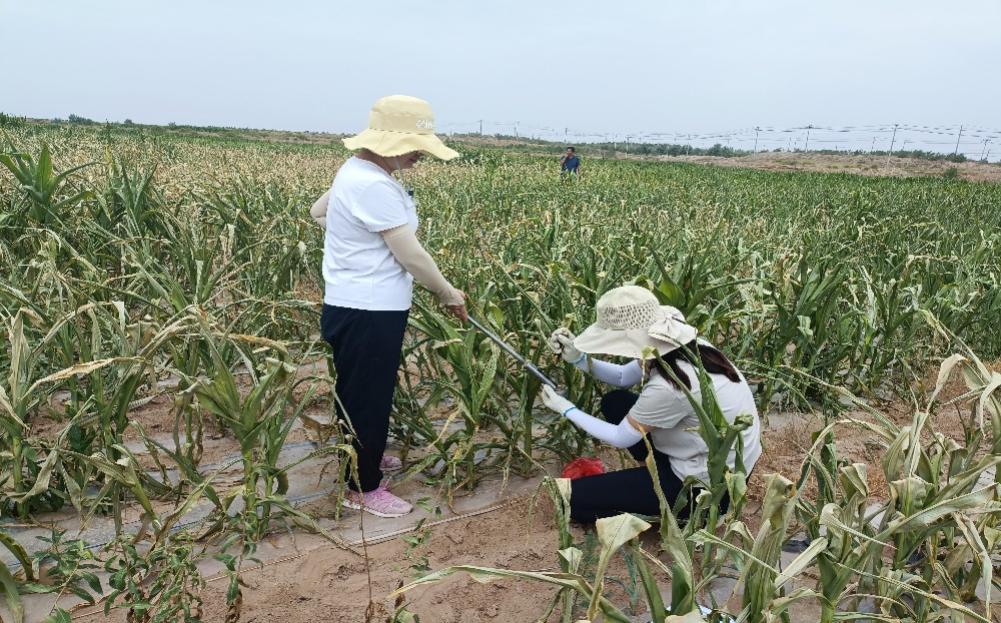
[[367, 347], [627, 490]]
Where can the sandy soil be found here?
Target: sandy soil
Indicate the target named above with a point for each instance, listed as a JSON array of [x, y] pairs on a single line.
[[330, 584], [336, 583]]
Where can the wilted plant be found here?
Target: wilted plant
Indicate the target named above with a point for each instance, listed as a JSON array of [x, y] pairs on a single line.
[[473, 369], [26, 391], [106, 274], [939, 523]]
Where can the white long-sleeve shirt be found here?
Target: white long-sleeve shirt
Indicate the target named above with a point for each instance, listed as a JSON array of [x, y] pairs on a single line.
[[672, 418]]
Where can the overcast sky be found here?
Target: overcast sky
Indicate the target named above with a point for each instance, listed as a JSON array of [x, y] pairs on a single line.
[[594, 67]]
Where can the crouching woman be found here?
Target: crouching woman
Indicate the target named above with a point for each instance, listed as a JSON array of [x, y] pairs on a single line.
[[632, 324]]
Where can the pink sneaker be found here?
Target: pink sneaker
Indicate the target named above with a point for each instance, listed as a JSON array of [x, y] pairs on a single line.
[[379, 502], [390, 463]]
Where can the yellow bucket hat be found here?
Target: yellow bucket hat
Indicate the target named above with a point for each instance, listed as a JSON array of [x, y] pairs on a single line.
[[399, 124]]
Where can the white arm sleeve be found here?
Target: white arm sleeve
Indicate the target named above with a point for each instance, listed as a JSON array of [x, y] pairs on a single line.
[[319, 210], [622, 435], [403, 244], [625, 375]]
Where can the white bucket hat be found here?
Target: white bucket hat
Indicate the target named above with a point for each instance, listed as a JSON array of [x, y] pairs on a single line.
[[631, 323], [399, 124]]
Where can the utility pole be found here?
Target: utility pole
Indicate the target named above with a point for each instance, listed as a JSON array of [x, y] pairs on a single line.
[[481, 127], [566, 133], [957, 140], [873, 148], [516, 129], [892, 139], [987, 142], [756, 130], [806, 147]]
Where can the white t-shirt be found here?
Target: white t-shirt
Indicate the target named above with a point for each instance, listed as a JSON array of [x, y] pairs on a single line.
[[359, 270], [676, 426]]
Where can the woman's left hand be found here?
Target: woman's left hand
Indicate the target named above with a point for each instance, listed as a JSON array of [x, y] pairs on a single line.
[[561, 343], [554, 401]]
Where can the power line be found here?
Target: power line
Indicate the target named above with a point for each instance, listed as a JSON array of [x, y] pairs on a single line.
[[969, 140]]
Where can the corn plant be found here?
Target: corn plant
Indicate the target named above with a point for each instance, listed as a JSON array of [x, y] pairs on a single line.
[[473, 362], [258, 422], [42, 186], [765, 596], [25, 392], [939, 511]]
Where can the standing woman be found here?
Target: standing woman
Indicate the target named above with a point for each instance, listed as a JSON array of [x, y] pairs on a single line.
[[632, 324], [371, 256]]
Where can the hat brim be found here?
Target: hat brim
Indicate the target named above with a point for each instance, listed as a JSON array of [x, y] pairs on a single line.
[[388, 144], [632, 343]]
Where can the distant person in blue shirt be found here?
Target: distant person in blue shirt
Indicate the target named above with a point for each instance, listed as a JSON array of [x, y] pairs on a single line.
[[569, 162]]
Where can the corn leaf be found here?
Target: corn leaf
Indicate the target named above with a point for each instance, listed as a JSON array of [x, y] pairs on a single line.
[[14, 603]]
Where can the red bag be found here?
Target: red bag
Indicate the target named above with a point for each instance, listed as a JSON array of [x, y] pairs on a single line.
[[583, 466]]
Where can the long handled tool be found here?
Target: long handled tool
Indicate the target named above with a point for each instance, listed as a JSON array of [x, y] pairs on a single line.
[[524, 362]]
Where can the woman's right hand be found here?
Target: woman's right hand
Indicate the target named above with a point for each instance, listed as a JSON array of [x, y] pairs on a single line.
[[555, 402], [459, 309]]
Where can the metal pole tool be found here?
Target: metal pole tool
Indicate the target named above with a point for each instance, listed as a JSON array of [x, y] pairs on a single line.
[[524, 362]]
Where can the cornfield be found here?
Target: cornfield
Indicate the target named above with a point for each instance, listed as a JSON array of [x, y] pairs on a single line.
[[136, 264]]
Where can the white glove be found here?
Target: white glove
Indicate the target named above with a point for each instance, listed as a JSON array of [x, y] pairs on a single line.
[[623, 435], [561, 343], [554, 401]]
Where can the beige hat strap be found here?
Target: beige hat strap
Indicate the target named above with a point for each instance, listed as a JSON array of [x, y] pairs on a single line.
[[409, 124]]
